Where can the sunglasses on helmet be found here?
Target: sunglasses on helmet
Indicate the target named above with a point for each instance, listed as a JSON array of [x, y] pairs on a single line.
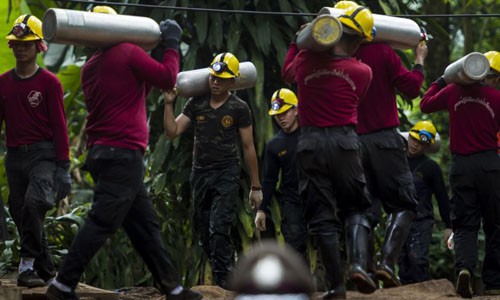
[[424, 135]]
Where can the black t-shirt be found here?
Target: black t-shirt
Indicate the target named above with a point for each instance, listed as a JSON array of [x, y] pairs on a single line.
[[216, 131], [428, 179], [280, 155]]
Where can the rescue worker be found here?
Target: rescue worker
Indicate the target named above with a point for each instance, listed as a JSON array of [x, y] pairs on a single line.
[[115, 82], [331, 179], [37, 161], [475, 171], [280, 158], [388, 176], [428, 179], [219, 119]]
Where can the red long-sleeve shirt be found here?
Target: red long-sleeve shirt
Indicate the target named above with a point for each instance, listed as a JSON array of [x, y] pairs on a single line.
[[329, 87], [378, 109], [115, 82], [33, 111], [474, 112]]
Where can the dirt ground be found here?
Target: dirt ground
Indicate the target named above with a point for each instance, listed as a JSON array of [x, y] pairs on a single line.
[[441, 289]]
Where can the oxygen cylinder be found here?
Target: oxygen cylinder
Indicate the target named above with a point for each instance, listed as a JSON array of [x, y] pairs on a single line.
[[98, 30], [320, 34], [433, 148], [195, 82], [400, 33], [467, 70]]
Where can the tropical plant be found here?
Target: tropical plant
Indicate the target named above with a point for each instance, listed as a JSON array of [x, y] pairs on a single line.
[[262, 39]]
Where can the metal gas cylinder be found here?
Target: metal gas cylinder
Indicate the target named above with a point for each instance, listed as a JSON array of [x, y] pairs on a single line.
[[467, 70], [321, 34], [97, 30], [195, 82], [398, 32]]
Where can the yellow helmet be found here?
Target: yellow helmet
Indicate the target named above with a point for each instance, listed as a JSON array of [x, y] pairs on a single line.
[[345, 4], [281, 101], [424, 131], [358, 19], [104, 9], [26, 28], [494, 59], [225, 65]]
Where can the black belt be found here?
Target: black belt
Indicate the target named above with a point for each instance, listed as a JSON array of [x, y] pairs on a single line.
[[32, 147]]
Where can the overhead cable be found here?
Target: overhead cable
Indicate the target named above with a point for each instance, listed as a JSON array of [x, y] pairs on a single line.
[[271, 13]]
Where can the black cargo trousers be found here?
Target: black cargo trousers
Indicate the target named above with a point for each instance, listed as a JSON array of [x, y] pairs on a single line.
[[120, 199], [30, 173]]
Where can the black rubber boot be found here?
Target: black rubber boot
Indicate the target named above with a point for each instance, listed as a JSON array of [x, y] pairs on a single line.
[[328, 247], [357, 229], [395, 237], [221, 257]]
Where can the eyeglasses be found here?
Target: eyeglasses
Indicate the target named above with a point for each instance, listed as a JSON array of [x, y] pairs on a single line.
[[424, 135], [220, 67]]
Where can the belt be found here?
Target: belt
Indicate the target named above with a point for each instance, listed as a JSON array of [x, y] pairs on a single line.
[[32, 147]]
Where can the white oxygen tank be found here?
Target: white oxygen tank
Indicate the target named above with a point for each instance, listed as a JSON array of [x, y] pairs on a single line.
[[195, 82], [399, 33], [469, 69], [321, 34], [98, 30]]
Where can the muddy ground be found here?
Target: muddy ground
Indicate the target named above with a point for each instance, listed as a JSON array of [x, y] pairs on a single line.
[[441, 289]]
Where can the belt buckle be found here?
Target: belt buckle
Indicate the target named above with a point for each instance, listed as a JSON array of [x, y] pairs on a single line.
[[24, 148]]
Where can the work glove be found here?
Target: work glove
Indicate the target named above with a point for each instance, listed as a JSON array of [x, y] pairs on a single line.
[[62, 180], [255, 198], [170, 36], [260, 220], [441, 81]]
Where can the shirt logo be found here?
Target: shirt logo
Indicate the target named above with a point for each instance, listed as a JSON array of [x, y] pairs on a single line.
[[282, 153], [227, 121], [200, 118], [35, 98]]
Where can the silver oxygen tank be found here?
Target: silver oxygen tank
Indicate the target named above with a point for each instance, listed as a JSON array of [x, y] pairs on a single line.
[[469, 69], [398, 32], [98, 30], [195, 82], [321, 34]]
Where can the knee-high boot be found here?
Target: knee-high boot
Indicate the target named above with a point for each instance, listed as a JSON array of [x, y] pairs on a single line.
[[395, 237], [357, 229], [328, 247]]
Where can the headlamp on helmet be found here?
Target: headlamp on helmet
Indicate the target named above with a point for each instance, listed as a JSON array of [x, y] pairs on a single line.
[[225, 65], [424, 131], [26, 28], [281, 101]]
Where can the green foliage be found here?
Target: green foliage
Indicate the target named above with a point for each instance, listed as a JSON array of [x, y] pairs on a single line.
[[260, 39]]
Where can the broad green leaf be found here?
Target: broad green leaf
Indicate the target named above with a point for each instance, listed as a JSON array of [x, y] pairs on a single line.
[[201, 24]]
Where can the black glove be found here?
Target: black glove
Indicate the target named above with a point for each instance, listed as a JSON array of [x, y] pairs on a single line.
[[62, 180], [441, 82], [171, 34]]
